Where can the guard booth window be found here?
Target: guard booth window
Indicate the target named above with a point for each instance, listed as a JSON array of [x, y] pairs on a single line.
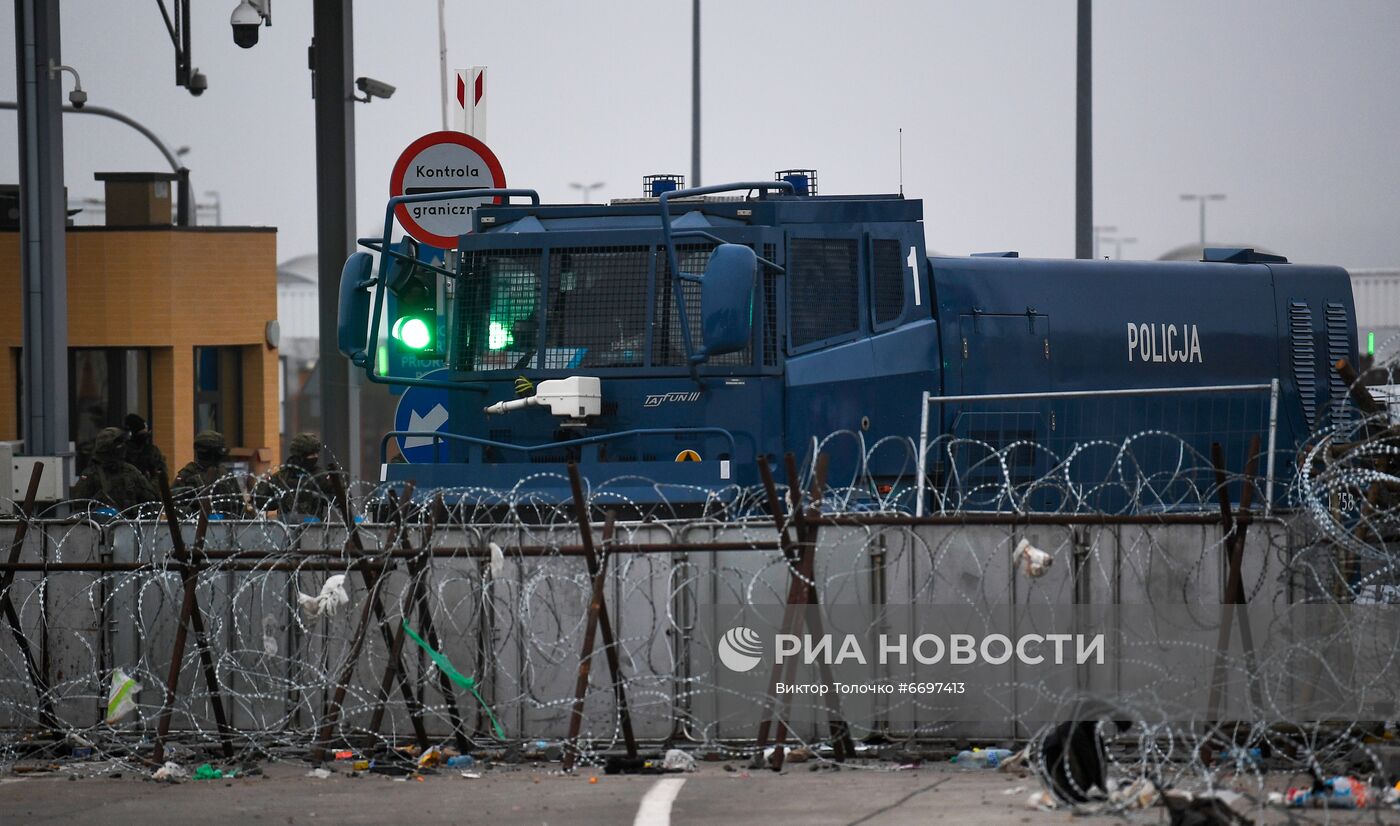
[[824, 289], [218, 392], [887, 280], [104, 385]]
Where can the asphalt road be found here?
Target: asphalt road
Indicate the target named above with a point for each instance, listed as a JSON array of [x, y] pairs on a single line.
[[938, 795]]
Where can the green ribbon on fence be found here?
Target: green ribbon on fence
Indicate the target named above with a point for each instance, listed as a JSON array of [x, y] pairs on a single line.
[[456, 676]]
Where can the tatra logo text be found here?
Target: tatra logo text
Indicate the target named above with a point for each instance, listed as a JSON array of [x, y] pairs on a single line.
[[657, 399]]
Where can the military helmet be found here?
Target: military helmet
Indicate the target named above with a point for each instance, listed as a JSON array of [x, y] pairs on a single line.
[[304, 444], [210, 442], [110, 441]]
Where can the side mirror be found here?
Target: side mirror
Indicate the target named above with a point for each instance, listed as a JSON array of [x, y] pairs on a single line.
[[403, 272], [352, 325], [726, 301]]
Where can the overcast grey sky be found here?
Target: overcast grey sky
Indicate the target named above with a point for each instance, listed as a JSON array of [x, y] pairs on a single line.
[[1290, 108]]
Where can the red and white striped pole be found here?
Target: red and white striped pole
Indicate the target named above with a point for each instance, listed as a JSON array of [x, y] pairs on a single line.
[[469, 102]]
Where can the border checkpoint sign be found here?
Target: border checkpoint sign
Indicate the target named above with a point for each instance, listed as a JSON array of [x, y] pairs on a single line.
[[442, 162]]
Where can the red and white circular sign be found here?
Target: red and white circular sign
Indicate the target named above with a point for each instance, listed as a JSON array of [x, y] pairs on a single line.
[[442, 162]]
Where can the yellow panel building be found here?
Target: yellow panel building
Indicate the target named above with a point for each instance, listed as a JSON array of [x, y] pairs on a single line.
[[167, 322]]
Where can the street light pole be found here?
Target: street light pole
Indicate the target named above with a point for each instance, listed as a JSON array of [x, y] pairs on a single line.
[[1099, 230], [1083, 131], [1202, 198], [1118, 245], [586, 189], [695, 93], [42, 248], [442, 59], [184, 209], [218, 207], [333, 73]]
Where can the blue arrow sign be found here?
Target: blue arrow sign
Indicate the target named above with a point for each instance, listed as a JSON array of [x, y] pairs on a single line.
[[423, 409]]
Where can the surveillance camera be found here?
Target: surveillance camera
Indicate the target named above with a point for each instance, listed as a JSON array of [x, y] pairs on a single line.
[[374, 88], [198, 83], [246, 20], [78, 98]]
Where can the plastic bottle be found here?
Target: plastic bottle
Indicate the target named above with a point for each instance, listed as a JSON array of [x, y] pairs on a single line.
[[461, 761]]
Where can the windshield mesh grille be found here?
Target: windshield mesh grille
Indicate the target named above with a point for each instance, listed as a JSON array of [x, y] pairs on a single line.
[[571, 308], [597, 307], [494, 326]]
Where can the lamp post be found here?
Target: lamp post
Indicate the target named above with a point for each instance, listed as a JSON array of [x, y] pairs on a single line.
[[1118, 245], [1202, 198], [587, 189], [217, 204], [695, 93], [1099, 230], [184, 211]]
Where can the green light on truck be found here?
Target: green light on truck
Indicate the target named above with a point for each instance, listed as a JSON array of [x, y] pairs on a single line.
[[497, 337], [412, 332], [1371, 343]]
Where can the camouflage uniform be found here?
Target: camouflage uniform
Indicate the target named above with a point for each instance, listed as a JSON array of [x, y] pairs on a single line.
[[142, 452], [208, 476], [109, 478], [296, 488]]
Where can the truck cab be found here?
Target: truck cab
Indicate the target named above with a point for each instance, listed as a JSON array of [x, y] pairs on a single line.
[[830, 306]]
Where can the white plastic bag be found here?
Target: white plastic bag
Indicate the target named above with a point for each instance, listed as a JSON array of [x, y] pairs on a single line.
[[332, 596], [269, 640], [678, 761], [498, 560], [121, 699], [1032, 560], [171, 771]]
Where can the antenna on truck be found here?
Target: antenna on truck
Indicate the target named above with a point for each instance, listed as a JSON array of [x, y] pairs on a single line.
[[901, 161]]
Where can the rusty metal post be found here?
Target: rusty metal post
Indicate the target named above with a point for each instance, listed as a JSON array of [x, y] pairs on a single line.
[[800, 594], [37, 677], [342, 683], [585, 663], [803, 602], [393, 667], [341, 497], [425, 619], [190, 617], [1235, 529], [417, 595], [1359, 394], [597, 570], [840, 731], [790, 608], [593, 559]]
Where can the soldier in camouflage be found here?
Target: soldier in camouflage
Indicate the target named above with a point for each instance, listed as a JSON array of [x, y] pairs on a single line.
[[210, 477], [109, 478], [298, 488], [141, 449]]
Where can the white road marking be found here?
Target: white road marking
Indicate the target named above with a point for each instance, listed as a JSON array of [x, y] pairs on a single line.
[[656, 803]]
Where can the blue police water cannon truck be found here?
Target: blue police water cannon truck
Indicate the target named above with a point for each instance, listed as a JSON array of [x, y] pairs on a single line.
[[668, 342]]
